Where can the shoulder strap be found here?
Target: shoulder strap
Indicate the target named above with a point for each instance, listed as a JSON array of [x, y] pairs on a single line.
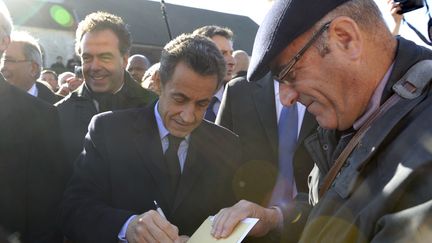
[[419, 34], [410, 86]]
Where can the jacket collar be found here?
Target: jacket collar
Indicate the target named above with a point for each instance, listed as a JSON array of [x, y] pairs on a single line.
[[129, 88]]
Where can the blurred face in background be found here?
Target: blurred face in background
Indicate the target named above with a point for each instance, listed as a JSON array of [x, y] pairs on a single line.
[[50, 79], [225, 46], [16, 69], [137, 67]]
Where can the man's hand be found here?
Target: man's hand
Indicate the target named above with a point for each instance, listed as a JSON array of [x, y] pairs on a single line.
[[184, 238], [227, 218], [151, 227]]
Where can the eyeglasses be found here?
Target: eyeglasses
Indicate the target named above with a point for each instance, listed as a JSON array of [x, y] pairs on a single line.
[[15, 61], [288, 68]]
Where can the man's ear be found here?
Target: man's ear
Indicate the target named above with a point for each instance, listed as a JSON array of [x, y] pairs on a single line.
[[125, 60], [35, 69], [4, 43], [346, 36]]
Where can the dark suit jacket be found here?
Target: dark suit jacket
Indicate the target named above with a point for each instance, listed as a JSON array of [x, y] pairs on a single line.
[[122, 171], [46, 94], [248, 109], [77, 109], [31, 166]]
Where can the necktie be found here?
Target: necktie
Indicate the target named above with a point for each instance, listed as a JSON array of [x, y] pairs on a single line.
[[172, 160], [210, 115], [287, 132]]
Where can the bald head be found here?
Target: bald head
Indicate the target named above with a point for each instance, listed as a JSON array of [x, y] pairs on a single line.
[[242, 61], [137, 65]]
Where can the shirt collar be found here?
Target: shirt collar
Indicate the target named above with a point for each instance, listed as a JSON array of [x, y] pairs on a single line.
[[219, 93], [33, 90], [375, 100]]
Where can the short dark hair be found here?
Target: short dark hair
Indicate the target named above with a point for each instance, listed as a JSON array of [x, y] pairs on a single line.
[[197, 52], [104, 21], [212, 30], [50, 72]]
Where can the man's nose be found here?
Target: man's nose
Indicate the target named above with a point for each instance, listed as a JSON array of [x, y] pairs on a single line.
[[287, 94], [94, 64], [230, 60], [188, 114]]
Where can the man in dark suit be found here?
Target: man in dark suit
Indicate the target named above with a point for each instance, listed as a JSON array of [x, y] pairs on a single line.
[[223, 39], [22, 65], [31, 160], [131, 159], [103, 42], [252, 110]]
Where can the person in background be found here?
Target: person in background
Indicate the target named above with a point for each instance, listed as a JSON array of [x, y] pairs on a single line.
[[50, 77], [69, 82], [222, 37], [137, 66], [151, 79], [21, 66], [394, 8], [32, 162], [58, 66], [164, 152], [64, 89], [241, 63], [103, 43], [72, 63]]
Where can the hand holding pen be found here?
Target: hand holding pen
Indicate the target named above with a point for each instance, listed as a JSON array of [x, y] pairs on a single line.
[[151, 226], [183, 238]]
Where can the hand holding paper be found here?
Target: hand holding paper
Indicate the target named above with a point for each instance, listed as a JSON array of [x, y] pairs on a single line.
[[240, 231], [227, 218]]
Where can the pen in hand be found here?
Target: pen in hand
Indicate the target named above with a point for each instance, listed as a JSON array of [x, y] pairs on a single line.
[[159, 210]]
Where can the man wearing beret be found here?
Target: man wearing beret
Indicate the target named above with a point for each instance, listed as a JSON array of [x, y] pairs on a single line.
[[370, 93]]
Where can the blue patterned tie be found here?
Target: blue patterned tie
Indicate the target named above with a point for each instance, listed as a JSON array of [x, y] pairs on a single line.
[[287, 132], [210, 115]]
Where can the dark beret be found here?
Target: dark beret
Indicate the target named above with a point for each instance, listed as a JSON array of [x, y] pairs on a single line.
[[285, 21]]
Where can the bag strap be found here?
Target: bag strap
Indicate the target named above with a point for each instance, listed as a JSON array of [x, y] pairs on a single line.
[[410, 86]]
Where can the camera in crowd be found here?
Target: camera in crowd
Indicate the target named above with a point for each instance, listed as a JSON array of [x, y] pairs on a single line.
[[409, 5], [78, 72]]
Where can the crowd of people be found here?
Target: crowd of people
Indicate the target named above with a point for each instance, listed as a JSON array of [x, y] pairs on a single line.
[[323, 134]]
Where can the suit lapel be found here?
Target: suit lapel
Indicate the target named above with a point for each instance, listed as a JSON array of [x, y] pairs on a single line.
[[308, 125], [149, 147], [5, 100], [265, 104], [194, 164]]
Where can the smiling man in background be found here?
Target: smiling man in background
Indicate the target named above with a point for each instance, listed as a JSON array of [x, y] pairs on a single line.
[[103, 43]]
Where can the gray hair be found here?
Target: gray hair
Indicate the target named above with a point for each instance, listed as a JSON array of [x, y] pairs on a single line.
[[61, 78], [364, 12], [197, 52], [31, 47]]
